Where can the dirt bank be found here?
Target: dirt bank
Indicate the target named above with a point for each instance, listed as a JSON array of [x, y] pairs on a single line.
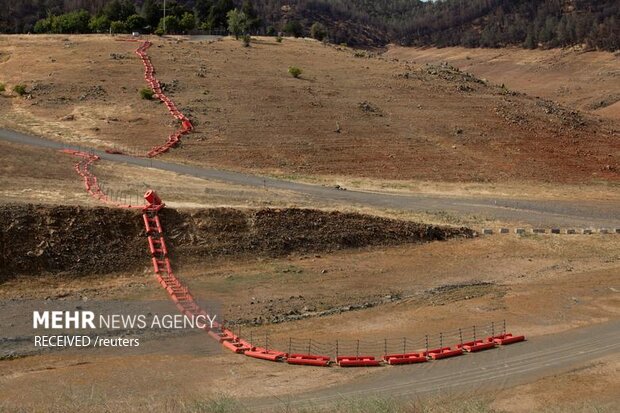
[[75, 241]]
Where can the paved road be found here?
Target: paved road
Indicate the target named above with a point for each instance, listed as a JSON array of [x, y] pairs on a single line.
[[472, 373], [535, 212]]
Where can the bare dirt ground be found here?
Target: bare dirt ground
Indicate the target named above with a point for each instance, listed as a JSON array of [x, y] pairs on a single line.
[[403, 127], [594, 387], [43, 176], [541, 285], [587, 81], [395, 120]]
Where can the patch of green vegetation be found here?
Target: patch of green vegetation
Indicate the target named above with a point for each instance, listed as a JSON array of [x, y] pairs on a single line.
[[147, 93], [2, 87], [295, 71], [246, 39], [20, 89]]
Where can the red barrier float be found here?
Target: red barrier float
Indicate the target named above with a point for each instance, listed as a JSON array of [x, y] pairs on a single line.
[[444, 352], [475, 346], [309, 360], [504, 339], [239, 346], [264, 354], [223, 335], [405, 358], [357, 361]]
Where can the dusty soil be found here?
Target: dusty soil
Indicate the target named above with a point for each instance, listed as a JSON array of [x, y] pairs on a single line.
[[587, 81], [42, 176], [593, 387], [73, 240], [395, 120], [539, 284]]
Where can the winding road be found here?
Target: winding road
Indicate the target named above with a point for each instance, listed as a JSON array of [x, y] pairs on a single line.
[[546, 213], [485, 371]]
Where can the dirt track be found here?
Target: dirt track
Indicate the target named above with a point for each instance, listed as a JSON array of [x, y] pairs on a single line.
[[490, 370], [533, 212]]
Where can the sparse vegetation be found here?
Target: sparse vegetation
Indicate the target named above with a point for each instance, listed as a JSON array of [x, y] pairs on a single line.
[[295, 71], [19, 89], [279, 39], [2, 87], [246, 39], [118, 27], [293, 28], [318, 31], [146, 93], [237, 22]]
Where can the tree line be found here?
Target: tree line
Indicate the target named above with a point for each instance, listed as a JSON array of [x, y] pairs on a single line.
[[469, 23]]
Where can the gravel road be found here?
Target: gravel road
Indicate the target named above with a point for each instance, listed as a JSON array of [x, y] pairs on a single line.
[[547, 213]]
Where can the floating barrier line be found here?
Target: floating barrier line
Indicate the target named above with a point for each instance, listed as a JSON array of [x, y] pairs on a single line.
[[183, 298]]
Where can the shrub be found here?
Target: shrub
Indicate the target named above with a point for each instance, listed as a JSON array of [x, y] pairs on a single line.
[[43, 25], [146, 93], [171, 23], [2, 87], [279, 39], [20, 89], [73, 22], [295, 71], [293, 28], [318, 31], [99, 24], [246, 39], [135, 22], [188, 22], [118, 27], [271, 31]]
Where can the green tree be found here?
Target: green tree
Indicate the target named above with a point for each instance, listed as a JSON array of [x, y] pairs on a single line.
[[172, 24], [43, 25], [188, 22], [318, 31], [271, 31], [293, 28], [530, 40], [151, 12], [175, 9], [135, 22], [218, 15], [99, 24], [74, 22], [202, 8], [237, 22], [253, 22], [118, 10], [118, 27]]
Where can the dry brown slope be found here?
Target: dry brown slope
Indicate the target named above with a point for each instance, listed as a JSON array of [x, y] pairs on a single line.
[[395, 121], [582, 80]]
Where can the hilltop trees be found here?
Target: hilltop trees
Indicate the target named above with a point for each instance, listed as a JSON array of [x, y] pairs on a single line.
[[217, 18], [318, 31], [470, 23], [73, 22]]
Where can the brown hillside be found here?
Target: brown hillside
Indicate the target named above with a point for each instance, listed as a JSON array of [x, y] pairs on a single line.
[[395, 120]]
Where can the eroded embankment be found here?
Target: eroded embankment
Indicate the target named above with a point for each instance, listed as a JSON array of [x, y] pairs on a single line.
[[74, 241]]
